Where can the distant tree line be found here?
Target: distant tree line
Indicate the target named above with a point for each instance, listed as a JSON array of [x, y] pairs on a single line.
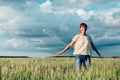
[[91, 56], [14, 57], [58, 57]]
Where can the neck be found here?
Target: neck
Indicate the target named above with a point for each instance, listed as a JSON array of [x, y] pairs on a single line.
[[83, 33]]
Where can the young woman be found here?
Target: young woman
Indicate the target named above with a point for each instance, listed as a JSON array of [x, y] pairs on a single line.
[[82, 48]]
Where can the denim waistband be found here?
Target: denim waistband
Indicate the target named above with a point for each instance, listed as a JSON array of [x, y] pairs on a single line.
[[81, 55]]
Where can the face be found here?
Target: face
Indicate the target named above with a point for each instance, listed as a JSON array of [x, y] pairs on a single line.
[[83, 28]]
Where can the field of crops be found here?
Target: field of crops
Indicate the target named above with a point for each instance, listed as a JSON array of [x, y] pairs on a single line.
[[58, 69]]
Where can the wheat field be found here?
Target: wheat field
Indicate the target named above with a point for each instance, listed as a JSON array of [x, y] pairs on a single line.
[[58, 69]]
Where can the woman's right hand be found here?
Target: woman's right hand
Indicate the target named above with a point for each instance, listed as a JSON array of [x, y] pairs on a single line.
[[59, 53]]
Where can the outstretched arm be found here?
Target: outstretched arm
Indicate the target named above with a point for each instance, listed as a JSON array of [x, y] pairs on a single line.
[[66, 48], [95, 49]]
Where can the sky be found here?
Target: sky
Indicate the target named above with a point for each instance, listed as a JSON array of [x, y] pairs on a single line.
[[40, 28]]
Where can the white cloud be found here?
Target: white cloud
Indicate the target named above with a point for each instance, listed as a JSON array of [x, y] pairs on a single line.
[[64, 28], [85, 2], [17, 43], [118, 4], [10, 24], [42, 48], [29, 3], [38, 41], [9, 18], [7, 12], [4, 11], [60, 11], [52, 40], [82, 14], [72, 1], [108, 36], [46, 7], [2, 32], [108, 18]]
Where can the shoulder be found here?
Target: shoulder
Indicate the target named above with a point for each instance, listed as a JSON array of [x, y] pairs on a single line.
[[89, 37], [75, 37]]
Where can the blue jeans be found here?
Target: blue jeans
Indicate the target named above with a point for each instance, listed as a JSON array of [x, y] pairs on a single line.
[[82, 59]]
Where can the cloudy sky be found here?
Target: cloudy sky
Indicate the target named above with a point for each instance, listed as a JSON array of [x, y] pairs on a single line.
[[40, 28]]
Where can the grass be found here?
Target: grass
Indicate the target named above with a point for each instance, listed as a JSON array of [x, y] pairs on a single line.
[[58, 69]]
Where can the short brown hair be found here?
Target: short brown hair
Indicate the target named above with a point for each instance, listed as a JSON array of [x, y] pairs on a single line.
[[83, 24]]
